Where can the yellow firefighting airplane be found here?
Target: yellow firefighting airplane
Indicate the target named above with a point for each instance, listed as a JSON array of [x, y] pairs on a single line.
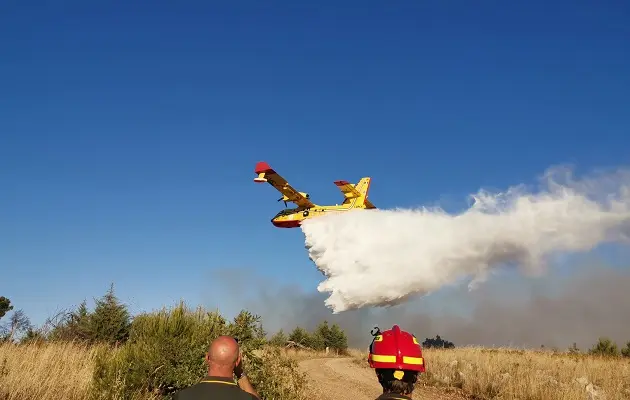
[[356, 197]]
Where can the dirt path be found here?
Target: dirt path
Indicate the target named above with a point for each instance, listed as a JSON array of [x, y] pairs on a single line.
[[341, 379]]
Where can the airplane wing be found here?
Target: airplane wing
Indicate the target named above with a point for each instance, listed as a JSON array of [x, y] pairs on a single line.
[[347, 189], [267, 174]]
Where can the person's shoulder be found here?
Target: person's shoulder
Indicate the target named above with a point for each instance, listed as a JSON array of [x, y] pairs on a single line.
[[249, 396], [242, 394], [202, 389], [184, 394], [191, 392], [236, 392]]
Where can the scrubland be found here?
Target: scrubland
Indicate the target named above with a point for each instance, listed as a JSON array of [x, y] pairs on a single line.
[[66, 370], [104, 356], [107, 355]]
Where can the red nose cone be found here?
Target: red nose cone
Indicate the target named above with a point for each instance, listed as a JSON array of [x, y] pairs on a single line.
[[285, 224]]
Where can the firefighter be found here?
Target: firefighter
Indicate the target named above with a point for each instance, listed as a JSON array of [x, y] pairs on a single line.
[[397, 359]]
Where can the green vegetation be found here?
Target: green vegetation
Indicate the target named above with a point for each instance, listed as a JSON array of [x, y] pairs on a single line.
[[324, 336], [153, 355], [5, 306], [165, 351], [604, 347]]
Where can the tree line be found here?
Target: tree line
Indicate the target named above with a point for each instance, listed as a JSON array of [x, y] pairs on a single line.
[[604, 347], [163, 351], [111, 323], [322, 337], [437, 342], [157, 352]]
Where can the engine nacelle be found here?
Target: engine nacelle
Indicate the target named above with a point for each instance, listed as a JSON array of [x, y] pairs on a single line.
[[305, 194]]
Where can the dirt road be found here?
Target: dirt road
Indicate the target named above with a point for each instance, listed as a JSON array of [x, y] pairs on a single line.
[[341, 379]]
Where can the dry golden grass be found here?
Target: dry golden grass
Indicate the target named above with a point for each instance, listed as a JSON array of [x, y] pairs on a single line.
[[50, 371], [55, 371], [534, 375], [64, 371]]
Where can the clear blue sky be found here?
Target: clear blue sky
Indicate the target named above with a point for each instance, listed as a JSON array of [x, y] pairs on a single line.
[[129, 133]]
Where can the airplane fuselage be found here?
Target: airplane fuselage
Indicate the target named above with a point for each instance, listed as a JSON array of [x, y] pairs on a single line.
[[293, 217]]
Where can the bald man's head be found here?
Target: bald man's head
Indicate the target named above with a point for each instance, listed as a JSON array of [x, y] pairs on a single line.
[[223, 355]]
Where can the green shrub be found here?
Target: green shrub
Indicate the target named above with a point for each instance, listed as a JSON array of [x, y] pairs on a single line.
[[605, 347], [323, 336], [275, 376], [109, 322], [165, 353], [279, 339]]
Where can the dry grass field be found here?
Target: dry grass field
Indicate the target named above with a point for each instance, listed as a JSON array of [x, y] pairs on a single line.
[[49, 371], [63, 371], [515, 374], [55, 371]]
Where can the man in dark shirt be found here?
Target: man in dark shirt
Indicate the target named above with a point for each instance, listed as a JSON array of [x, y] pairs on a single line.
[[224, 362]]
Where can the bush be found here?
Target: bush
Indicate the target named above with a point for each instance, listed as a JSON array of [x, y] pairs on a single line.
[[605, 347], [437, 342], [110, 322], [165, 353], [279, 339], [5, 306], [332, 337], [324, 336], [300, 336], [276, 377]]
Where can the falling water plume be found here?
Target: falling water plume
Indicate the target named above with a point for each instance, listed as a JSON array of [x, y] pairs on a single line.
[[384, 257]]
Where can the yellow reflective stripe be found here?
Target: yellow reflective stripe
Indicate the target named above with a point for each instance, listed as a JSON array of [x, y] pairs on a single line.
[[415, 341], [227, 383], [392, 359], [413, 360], [377, 358]]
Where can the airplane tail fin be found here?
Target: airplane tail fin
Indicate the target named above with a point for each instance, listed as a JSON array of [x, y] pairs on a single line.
[[364, 187], [356, 193]]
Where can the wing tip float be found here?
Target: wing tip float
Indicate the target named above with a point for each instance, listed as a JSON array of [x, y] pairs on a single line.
[[262, 168]]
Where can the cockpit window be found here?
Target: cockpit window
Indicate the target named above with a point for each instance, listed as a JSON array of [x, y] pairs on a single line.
[[287, 211]]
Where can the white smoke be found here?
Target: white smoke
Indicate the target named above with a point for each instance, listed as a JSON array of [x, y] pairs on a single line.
[[383, 257]]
